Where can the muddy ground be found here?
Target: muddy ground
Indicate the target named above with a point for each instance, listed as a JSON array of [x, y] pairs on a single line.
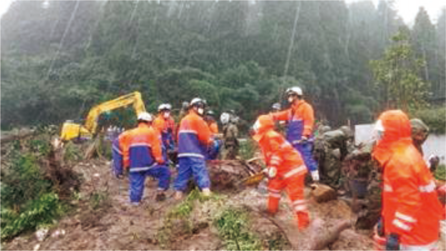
[[103, 220]]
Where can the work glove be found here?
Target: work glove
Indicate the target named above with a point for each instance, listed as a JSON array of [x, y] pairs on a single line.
[[315, 175], [392, 242], [380, 227], [270, 172]]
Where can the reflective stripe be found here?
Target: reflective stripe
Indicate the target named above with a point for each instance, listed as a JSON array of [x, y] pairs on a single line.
[[300, 169], [188, 131], [298, 202], [401, 225], [300, 208], [405, 217], [138, 169], [427, 188], [276, 158], [275, 195], [294, 119], [140, 144], [429, 247], [387, 188], [285, 144], [191, 155], [274, 190], [274, 163], [307, 126], [116, 149]]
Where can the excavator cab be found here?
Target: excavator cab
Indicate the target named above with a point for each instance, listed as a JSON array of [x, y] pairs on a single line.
[[72, 130]]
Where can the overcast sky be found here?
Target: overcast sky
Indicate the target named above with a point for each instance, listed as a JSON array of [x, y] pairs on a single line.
[[407, 9]]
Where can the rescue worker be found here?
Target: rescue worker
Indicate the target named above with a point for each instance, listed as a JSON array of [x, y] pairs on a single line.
[[194, 138], [300, 119], [139, 151], [230, 134], [279, 125], [330, 149], [214, 149], [165, 124], [411, 211], [420, 132], [276, 107], [285, 169], [210, 120]]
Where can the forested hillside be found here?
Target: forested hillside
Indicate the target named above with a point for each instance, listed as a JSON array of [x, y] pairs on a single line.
[[59, 58]]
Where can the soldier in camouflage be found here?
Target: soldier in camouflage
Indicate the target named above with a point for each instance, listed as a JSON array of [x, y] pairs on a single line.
[[230, 134], [359, 165], [330, 149], [420, 131]]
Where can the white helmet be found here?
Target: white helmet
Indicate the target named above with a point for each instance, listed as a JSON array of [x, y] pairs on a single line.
[[196, 101], [161, 107], [145, 116], [164, 107], [224, 118], [294, 90]]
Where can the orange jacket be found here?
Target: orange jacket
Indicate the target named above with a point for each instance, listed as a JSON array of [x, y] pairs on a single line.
[[278, 152], [213, 127], [410, 205], [299, 111], [141, 137], [163, 125], [194, 136]]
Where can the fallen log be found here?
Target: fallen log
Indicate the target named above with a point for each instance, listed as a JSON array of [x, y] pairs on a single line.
[[319, 235]]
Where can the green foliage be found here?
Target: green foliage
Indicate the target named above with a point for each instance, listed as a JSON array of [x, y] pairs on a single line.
[[23, 182], [397, 76], [232, 225], [41, 211], [72, 152], [231, 53], [434, 117]]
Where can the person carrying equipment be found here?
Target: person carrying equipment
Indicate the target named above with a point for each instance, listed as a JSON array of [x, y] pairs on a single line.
[[300, 119], [285, 169]]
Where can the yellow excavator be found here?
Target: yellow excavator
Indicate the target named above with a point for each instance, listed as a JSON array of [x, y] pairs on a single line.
[[71, 130]]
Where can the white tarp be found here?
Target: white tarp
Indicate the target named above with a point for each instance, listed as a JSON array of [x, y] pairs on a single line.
[[435, 144]]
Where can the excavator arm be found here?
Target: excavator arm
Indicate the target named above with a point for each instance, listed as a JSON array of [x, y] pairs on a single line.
[[71, 130]]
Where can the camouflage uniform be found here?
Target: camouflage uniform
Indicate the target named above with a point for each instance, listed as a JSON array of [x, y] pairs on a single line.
[[420, 131], [360, 165], [330, 149], [230, 134]]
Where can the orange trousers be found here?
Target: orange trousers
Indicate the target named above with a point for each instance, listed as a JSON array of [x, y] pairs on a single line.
[[294, 186]]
